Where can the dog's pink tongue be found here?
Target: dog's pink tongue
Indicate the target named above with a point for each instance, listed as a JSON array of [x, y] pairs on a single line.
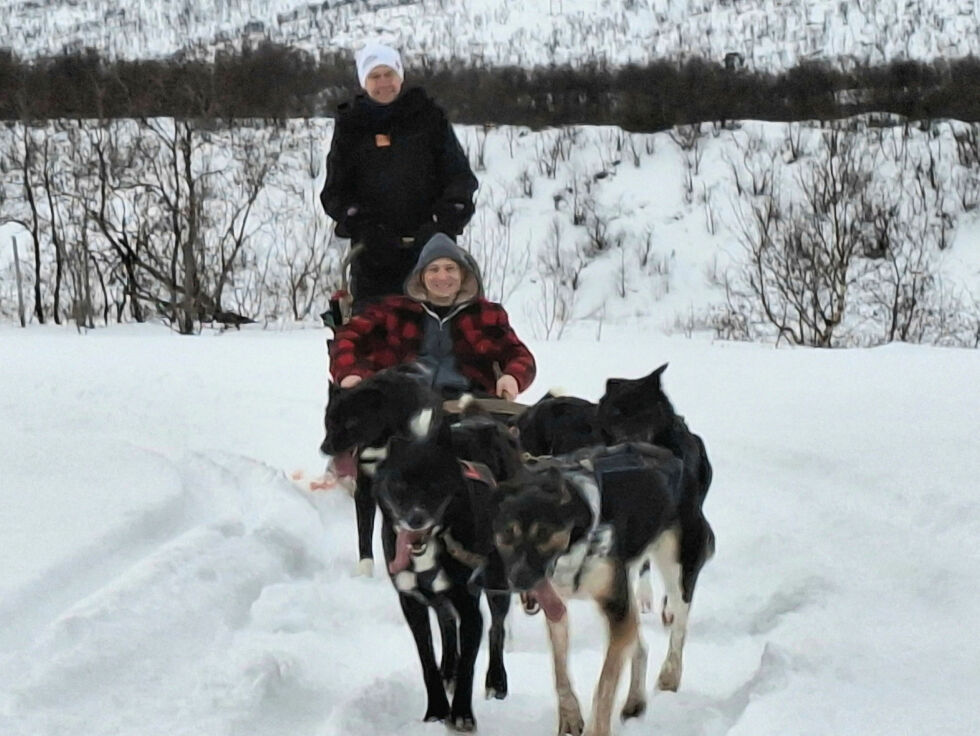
[[344, 464], [549, 600], [403, 549]]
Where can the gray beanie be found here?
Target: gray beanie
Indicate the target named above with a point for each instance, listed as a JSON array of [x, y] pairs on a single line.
[[441, 245]]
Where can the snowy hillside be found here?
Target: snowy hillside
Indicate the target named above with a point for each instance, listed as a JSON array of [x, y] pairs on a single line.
[[159, 574], [574, 226], [770, 34]]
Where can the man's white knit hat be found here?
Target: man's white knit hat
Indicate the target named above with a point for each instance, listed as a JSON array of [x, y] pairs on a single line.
[[375, 55]]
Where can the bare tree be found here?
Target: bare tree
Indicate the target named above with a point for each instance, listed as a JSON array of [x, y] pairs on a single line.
[[22, 157], [306, 250]]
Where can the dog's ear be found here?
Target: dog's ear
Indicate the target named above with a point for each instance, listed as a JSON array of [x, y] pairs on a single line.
[[614, 383], [655, 376]]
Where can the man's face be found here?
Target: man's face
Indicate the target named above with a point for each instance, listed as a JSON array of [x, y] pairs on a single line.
[[442, 280], [383, 84]]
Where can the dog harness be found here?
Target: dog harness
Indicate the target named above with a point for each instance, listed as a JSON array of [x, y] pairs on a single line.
[[600, 539], [478, 473], [597, 542], [425, 572]]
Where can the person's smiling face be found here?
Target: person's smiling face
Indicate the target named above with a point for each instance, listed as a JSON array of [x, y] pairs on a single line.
[[442, 280], [383, 84]]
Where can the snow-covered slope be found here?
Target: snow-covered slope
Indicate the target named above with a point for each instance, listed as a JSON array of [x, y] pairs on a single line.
[[161, 575], [587, 225], [770, 34]]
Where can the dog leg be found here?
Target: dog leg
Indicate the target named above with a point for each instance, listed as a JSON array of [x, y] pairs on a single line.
[[676, 609], [467, 607], [450, 644], [697, 547], [644, 588], [417, 616], [636, 700], [569, 712], [623, 623], [496, 684], [364, 507]]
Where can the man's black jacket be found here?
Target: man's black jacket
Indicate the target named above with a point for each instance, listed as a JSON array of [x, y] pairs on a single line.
[[397, 166]]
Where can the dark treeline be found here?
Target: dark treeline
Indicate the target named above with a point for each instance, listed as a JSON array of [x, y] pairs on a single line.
[[271, 81]]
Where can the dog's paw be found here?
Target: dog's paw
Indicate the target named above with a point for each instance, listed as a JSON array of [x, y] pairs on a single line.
[[496, 687], [463, 724], [633, 708], [570, 722], [365, 568], [670, 677], [437, 713]]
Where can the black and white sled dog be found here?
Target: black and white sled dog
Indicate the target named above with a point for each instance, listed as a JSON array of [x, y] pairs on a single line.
[[570, 526], [438, 543], [359, 422]]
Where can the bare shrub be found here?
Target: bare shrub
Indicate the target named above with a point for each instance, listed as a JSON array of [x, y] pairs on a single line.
[[502, 265], [560, 269], [687, 136], [802, 254]]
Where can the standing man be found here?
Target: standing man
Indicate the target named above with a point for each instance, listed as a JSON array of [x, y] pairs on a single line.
[[396, 175]]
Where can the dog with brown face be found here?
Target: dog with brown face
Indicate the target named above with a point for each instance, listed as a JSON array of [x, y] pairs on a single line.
[[571, 526]]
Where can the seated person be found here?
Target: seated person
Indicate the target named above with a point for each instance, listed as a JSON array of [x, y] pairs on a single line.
[[443, 323]]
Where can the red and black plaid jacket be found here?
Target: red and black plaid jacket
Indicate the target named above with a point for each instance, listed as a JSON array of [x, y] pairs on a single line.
[[390, 332]]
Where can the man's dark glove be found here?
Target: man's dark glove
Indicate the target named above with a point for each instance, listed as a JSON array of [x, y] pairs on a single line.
[[355, 222], [451, 217]]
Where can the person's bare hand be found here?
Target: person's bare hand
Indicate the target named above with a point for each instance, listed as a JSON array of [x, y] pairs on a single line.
[[350, 381], [507, 387]]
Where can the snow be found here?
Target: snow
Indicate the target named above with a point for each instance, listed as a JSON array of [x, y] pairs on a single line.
[[160, 574]]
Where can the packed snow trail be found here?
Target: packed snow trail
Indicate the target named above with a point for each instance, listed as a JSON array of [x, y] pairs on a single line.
[[162, 575]]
